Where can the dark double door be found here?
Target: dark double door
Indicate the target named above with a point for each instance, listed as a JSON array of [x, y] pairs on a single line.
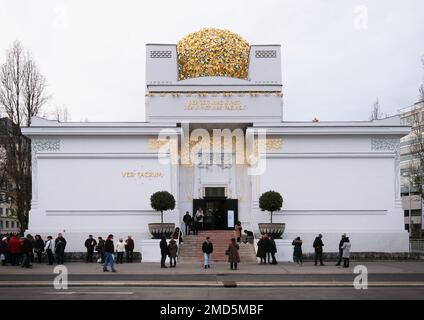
[[220, 213]]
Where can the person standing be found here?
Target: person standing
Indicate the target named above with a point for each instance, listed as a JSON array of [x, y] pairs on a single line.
[[297, 251], [163, 251], [90, 244], [194, 224], [27, 248], [129, 249], [100, 248], [109, 251], [59, 248], [207, 248], [346, 252], [342, 241], [38, 247], [187, 222], [267, 249], [172, 252], [4, 251], [237, 231], [14, 250], [318, 246], [233, 255], [120, 249], [272, 250], [49, 249], [199, 218], [261, 249]]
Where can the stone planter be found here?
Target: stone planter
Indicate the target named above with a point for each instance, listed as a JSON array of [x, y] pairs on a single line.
[[161, 229], [275, 230]]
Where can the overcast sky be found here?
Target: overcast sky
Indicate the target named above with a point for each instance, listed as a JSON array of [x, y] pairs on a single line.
[[338, 56]]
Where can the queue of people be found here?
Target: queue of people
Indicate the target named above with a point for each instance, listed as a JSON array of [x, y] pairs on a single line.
[[22, 251]]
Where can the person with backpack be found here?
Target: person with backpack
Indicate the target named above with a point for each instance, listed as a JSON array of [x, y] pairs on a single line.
[[109, 251], [100, 248], [172, 252], [90, 245]]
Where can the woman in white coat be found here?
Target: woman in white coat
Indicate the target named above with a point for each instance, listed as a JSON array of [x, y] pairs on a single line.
[[346, 252], [120, 249]]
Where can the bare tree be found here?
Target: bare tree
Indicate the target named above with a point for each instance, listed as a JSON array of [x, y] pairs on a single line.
[[61, 113], [376, 113], [22, 94]]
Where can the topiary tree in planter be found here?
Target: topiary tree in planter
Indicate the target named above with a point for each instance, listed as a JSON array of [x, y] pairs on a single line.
[[271, 201], [162, 201]]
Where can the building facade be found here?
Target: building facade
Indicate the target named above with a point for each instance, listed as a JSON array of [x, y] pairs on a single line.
[[409, 159], [97, 178]]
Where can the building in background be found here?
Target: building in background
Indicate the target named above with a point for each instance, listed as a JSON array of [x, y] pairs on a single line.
[[409, 162]]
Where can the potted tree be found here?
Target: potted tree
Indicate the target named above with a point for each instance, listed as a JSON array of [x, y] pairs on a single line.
[[271, 201], [162, 201]]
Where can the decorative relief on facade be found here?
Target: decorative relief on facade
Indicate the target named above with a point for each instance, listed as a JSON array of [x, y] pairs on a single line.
[[387, 144], [390, 144], [45, 145], [165, 54], [265, 54]]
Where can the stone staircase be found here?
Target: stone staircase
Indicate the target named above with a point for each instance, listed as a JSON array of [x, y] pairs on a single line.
[[191, 249]]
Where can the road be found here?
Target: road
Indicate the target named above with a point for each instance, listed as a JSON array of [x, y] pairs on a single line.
[[169, 293]]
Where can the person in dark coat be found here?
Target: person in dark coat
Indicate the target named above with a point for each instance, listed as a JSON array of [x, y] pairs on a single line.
[[194, 224], [172, 252], [109, 251], [178, 234], [4, 252], [233, 255], [272, 250], [27, 251], [261, 249], [38, 247], [59, 249], [100, 248], [129, 249], [207, 249], [187, 222], [267, 247], [318, 246], [297, 251], [90, 244], [163, 251], [342, 241], [49, 247]]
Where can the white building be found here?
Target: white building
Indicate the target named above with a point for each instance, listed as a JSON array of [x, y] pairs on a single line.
[[335, 177]]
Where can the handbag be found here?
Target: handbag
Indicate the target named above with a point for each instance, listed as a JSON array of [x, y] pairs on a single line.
[[2, 257], [227, 252]]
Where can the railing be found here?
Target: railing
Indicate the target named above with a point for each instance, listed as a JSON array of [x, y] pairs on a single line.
[[417, 245]]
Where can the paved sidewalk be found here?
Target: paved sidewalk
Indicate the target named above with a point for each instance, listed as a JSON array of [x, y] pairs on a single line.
[[146, 268]]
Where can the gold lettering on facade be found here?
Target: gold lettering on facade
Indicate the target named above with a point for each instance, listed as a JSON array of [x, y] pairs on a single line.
[[231, 105], [142, 174]]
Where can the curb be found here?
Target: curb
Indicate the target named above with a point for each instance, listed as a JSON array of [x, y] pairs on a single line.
[[214, 284]]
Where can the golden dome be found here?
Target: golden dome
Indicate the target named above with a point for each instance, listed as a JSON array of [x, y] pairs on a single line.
[[212, 52]]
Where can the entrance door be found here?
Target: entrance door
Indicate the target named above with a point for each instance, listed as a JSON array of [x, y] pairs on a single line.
[[220, 213]]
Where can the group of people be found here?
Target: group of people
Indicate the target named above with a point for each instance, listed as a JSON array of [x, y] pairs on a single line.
[[21, 251], [120, 248], [267, 250], [318, 245], [193, 223], [170, 249]]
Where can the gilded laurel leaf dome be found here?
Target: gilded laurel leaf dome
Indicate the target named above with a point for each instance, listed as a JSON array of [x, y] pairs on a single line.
[[212, 52]]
